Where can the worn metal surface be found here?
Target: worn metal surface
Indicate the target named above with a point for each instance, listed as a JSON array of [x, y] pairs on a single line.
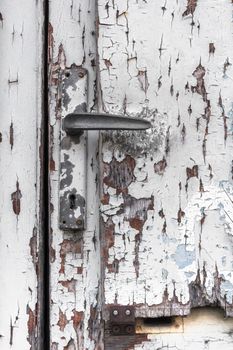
[[73, 155], [20, 173], [75, 257], [203, 329], [122, 320], [167, 201], [74, 124]]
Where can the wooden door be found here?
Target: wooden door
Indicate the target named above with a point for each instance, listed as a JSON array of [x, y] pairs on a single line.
[[165, 203]]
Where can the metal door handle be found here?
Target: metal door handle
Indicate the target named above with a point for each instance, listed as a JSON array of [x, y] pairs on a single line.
[[75, 124], [73, 146]]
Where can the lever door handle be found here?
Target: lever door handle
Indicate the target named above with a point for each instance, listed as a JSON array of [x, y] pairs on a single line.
[[73, 148], [75, 124]]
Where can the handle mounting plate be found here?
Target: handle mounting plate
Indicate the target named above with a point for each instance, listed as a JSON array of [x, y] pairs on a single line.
[[72, 194]]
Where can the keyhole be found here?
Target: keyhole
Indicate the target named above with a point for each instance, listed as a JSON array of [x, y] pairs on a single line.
[[72, 199]]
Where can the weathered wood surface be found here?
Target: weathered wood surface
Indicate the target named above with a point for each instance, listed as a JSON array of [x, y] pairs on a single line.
[[20, 134], [75, 257], [167, 195]]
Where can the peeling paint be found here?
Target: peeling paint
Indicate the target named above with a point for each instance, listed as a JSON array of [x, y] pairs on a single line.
[[16, 199]]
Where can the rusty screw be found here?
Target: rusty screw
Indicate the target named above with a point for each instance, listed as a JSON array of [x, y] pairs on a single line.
[[116, 329], [81, 74], [127, 312], [115, 312], [79, 222], [129, 329]]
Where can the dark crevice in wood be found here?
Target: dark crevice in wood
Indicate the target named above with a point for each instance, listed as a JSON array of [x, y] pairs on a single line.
[[44, 276]]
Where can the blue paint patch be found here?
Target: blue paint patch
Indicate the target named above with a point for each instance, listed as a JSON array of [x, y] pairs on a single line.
[[230, 116], [227, 289], [183, 257], [189, 274]]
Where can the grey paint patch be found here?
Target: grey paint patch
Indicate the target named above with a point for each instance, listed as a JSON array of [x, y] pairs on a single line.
[[81, 108], [72, 210], [66, 168], [72, 76], [183, 257]]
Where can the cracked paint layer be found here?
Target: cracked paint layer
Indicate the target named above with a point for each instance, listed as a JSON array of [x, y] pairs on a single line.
[[75, 257], [179, 256], [20, 172]]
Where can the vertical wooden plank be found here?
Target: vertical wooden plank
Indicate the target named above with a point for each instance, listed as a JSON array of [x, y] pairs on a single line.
[[74, 257], [20, 108]]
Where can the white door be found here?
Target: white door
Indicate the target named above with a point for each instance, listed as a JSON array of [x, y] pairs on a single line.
[[151, 264]]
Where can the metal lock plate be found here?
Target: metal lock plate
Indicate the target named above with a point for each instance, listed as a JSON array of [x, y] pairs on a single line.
[[122, 320], [73, 153]]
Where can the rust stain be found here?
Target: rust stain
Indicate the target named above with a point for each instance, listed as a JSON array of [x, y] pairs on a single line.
[[62, 322], [70, 345], [201, 186], [190, 111], [192, 172], [135, 211], [54, 346], [124, 342], [50, 42], [55, 74], [32, 325], [93, 322], [199, 74], [52, 166], [159, 168], [190, 8], [211, 48], [164, 229], [226, 65], [220, 103], [33, 247], [108, 238], [161, 213], [52, 254], [210, 170], [107, 63], [114, 266], [77, 318], [119, 175], [180, 215], [79, 270], [11, 332], [183, 132], [11, 135], [136, 223], [105, 199], [69, 284], [69, 246], [15, 198]]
